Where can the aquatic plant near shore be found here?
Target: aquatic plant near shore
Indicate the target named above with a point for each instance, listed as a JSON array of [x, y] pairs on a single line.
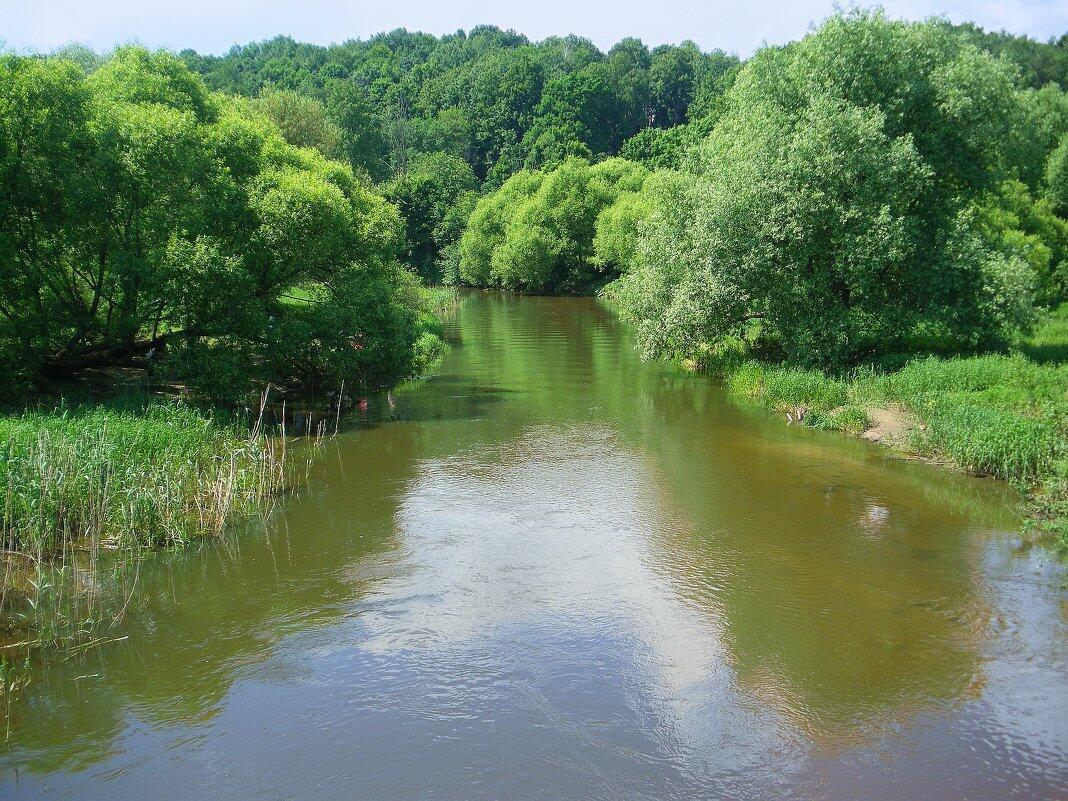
[[160, 477], [79, 481]]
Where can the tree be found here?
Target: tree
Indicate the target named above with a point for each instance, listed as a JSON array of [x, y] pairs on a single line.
[[536, 233], [587, 106], [145, 222], [502, 94], [831, 203], [661, 148], [618, 229], [362, 139], [673, 78], [303, 122], [547, 146], [424, 196], [487, 226], [1044, 122], [1026, 228]]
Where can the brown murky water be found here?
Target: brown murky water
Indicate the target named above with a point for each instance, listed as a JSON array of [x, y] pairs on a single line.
[[553, 571]]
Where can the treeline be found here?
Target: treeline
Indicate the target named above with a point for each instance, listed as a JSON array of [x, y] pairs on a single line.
[[878, 187], [438, 121], [489, 96], [148, 222], [247, 218]]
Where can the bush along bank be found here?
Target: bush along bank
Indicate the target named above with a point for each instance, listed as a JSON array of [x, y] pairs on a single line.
[[1002, 415]]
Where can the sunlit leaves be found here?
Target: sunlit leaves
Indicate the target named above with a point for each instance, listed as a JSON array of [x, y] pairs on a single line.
[[827, 204], [143, 215]]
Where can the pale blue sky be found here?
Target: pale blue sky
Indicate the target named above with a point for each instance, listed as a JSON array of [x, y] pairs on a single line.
[[214, 25]]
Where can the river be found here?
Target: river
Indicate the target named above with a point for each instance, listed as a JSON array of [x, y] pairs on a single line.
[[553, 571]]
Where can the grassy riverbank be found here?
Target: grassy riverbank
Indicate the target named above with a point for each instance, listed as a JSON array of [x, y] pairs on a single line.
[[120, 477], [1003, 415], [130, 474]]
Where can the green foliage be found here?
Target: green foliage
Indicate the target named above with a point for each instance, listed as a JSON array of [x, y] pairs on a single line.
[[425, 196], [148, 223], [488, 96], [487, 226], [1039, 62], [1057, 178], [1028, 230], [503, 103], [536, 233], [303, 121], [660, 148], [1043, 125], [362, 137], [673, 76], [619, 226], [831, 203], [448, 233]]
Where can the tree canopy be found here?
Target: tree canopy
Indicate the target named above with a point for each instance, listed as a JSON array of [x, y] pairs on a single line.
[[145, 220], [832, 203], [491, 97], [536, 234]]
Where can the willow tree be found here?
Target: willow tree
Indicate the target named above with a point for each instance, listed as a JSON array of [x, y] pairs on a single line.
[[146, 222], [830, 204], [536, 234]]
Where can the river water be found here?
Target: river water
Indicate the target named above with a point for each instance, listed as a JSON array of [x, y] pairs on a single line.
[[552, 571]]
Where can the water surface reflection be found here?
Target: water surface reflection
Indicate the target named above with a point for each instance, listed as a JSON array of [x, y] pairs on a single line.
[[554, 571]]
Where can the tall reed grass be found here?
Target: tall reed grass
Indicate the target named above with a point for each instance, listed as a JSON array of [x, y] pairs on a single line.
[[81, 481]]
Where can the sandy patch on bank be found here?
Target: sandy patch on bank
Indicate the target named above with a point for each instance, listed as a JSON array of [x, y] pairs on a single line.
[[890, 425]]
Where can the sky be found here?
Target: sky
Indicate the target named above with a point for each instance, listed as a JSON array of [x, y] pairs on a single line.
[[212, 26]]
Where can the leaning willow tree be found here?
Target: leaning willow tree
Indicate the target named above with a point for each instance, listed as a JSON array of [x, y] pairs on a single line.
[[144, 220]]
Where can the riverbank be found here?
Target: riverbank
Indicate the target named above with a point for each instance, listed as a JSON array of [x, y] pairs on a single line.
[[1001, 415], [118, 477], [135, 472]]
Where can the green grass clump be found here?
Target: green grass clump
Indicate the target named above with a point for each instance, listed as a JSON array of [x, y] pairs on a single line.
[[126, 476], [1005, 381], [992, 441], [440, 301], [852, 418], [788, 388], [157, 475]]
